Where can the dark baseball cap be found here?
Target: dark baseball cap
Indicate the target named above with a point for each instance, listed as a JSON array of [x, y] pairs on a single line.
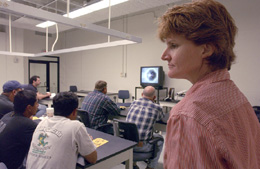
[[11, 85]]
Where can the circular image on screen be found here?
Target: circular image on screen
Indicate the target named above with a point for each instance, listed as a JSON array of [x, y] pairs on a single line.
[[151, 75]]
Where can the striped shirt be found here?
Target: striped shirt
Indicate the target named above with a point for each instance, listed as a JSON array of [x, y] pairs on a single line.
[[144, 113], [213, 127], [99, 106]]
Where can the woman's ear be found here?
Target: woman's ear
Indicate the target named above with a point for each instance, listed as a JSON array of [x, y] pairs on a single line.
[[208, 50]]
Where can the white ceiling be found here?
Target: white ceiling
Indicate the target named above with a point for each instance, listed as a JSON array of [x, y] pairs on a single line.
[[59, 6]]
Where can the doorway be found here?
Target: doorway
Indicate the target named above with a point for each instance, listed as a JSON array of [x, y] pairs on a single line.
[[47, 67]]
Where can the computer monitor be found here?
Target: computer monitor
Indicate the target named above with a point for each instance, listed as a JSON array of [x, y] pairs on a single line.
[[152, 76]]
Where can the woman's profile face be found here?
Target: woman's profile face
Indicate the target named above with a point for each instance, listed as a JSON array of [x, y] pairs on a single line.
[[185, 59]]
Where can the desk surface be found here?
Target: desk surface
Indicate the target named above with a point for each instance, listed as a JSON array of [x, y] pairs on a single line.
[[168, 103], [88, 91], [115, 145], [46, 101]]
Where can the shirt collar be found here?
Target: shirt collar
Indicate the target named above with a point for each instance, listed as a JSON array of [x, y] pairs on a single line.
[[97, 91], [143, 98], [216, 76]]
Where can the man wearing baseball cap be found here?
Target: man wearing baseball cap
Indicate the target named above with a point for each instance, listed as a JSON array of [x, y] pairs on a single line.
[[10, 88]]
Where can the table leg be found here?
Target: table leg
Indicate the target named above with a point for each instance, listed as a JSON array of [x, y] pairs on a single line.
[[129, 162]]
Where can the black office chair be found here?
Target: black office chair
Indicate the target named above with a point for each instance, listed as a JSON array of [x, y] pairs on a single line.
[[84, 117], [73, 89], [257, 111], [123, 94], [129, 131]]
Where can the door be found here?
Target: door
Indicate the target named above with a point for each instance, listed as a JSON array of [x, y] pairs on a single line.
[[48, 69], [40, 69]]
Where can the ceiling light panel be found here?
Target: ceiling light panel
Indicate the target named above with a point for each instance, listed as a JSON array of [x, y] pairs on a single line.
[[85, 10]]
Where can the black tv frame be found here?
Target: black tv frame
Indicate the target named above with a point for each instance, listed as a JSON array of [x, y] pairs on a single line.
[[159, 84]]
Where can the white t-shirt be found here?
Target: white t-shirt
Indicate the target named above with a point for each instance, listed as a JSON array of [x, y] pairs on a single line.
[[56, 143]]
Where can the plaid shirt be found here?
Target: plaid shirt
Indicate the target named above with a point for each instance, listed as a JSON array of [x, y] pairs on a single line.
[[144, 113], [99, 106]]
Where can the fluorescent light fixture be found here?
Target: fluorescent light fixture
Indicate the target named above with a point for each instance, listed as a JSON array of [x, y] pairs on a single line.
[[85, 10], [44, 15], [88, 47], [17, 54], [75, 49], [46, 24]]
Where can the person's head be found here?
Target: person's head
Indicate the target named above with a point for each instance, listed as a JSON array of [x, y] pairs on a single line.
[[149, 93], [10, 89], [205, 23], [101, 86], [35, 80], [25, 103], [66, 104]]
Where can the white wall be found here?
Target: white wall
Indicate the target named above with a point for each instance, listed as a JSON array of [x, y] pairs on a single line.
[[22, 41], [11, 67], [245, 72]]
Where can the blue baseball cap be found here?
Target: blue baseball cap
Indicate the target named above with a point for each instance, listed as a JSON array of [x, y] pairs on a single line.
[[11, 85]]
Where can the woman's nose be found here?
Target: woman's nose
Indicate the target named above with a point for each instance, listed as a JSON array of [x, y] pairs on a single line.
[[165, 55]]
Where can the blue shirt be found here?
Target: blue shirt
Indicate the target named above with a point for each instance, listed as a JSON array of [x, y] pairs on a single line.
[[144, 113], [99, 106]]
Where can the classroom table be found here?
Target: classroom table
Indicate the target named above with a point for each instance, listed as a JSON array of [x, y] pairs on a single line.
[[84, 93], [110, 154], [81, 94], [167, 103], [46, 101]]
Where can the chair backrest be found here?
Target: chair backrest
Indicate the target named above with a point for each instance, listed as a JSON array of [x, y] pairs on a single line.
[[73, 89], [123, 94], [83, 116], [126, 130]]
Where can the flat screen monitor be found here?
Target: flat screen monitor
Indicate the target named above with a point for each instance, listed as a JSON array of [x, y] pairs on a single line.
[[152, 76]]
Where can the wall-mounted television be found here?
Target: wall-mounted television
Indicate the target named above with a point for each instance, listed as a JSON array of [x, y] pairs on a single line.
[[152, 76]]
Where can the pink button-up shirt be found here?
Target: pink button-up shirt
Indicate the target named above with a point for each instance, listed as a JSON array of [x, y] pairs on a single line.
[[213, 127]]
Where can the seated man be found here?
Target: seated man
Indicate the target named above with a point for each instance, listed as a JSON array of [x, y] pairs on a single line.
[[33, 83], [10, 88], [144, 113], [16, 137], [99, 106], [57, 141]]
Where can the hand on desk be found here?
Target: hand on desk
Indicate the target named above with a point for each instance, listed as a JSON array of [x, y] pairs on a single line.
[[90, 137]]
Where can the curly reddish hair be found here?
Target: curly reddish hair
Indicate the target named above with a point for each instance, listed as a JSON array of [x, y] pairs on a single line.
[[203, 22]]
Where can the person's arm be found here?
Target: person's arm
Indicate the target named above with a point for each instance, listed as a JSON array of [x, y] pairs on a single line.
[[92, 157], [85, 145], [190, 145], [111, 107], [41, 96], [160, 113]]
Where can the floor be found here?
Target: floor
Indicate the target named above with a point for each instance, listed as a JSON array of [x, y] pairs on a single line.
[[142, 165]]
